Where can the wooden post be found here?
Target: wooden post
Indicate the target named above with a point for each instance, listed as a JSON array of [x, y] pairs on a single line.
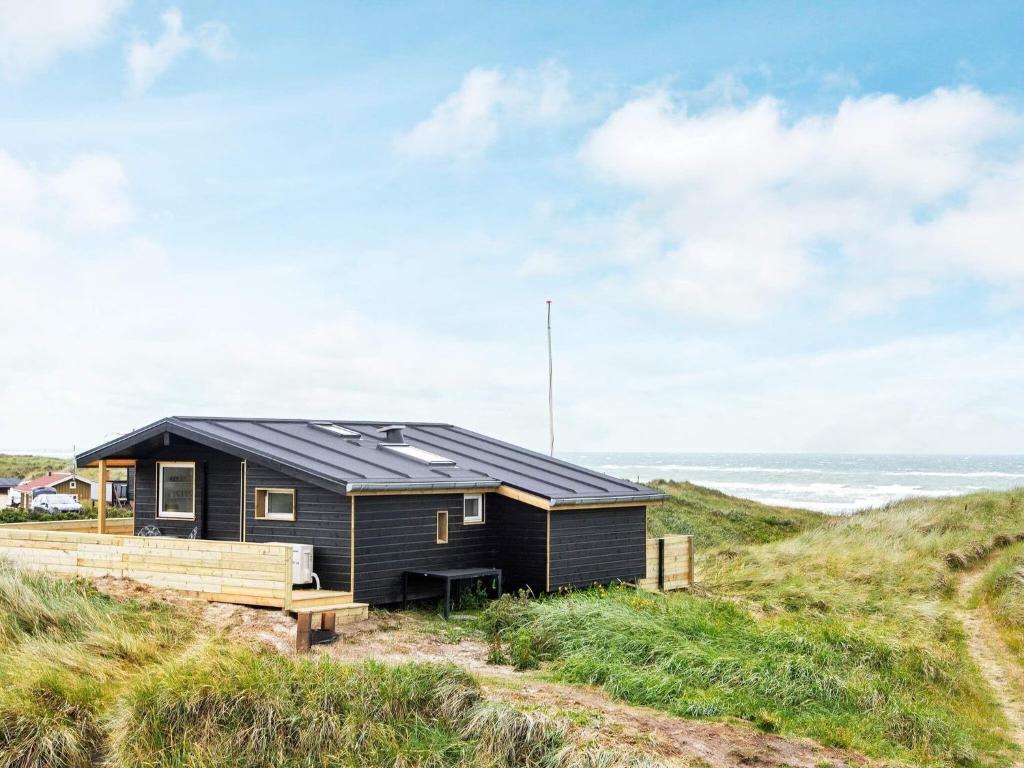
[[328, 621], [303, 624], [661, 564], [101, 500], [690, 542]]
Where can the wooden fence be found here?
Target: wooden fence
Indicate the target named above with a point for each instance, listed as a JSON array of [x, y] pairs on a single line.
[[118, 525], [227, 572], [669, 563]]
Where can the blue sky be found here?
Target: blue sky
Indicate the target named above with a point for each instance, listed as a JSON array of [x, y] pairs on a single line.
[[765, 227]]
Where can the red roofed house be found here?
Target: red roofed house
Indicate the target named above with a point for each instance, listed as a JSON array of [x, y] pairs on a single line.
[[61, 482]]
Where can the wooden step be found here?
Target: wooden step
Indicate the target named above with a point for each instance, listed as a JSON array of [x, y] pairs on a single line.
[[345, 614], [305, 599]]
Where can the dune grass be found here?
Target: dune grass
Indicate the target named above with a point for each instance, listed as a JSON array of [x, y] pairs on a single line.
[[26, 465], [66, 652], [235, 708], [86, 680], [717, 520], [844, 632], [1002, 592]]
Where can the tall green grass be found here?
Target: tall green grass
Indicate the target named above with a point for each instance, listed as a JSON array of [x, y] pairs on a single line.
[[841, 684], [86, 680], [239, 709], [66, 651], [844, 632]]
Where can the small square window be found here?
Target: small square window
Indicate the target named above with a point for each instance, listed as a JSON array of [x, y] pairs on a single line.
[[275, 504], [442, 526], [472, 509]]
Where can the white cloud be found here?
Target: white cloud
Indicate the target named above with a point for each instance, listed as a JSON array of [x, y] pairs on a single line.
[[468, 122], [147, 61], [35, 32], [744, 206], [38, 209], [92, 189]]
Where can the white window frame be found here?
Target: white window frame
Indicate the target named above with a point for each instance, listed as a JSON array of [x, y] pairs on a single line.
[[264, 513], [442, 514], [480, 506], [160, 512]]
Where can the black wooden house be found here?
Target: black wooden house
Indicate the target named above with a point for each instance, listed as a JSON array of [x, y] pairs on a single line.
[[377, 499]]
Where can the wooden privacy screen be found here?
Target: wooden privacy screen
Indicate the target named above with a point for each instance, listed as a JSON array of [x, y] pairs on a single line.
[[250, 574], [669, 563], [122, 525]]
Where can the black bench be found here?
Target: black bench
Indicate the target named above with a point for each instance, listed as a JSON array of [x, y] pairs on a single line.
[[449, 576]]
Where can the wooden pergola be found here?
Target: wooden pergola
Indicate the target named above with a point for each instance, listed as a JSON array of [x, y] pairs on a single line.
[[101, 498]]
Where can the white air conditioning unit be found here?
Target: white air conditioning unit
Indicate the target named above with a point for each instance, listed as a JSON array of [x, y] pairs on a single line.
[[302, 561]]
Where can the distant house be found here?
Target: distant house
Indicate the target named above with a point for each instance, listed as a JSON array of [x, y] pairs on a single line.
[[60, 482], [376, 499], [7, 484]]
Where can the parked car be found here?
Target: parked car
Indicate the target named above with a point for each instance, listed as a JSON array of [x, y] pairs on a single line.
[[56, 502], [42, 490]]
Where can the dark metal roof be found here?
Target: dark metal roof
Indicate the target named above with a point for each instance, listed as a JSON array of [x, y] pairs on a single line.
[[9, 482], [299, 448]]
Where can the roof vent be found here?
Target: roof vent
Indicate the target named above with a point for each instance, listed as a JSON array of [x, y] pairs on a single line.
[[394, 434]]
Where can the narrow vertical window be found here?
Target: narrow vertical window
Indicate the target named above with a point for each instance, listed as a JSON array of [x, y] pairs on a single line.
[[442, 527]]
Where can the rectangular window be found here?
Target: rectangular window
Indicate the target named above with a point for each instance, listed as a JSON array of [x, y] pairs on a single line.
[[473, 509], [176, 490], [442, 527], [275, 503]]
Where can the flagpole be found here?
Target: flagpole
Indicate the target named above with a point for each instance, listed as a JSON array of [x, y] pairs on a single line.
[[551, 379]]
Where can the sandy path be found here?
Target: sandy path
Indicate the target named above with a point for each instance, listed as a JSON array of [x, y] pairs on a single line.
[[992, 656]]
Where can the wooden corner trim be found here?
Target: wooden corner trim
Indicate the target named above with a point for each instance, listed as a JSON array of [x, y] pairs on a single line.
[[547, 567]]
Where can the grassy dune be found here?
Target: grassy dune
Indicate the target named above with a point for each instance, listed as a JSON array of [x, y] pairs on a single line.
[[86, 680], [716, 519], [843, 632], [26, 466], [23, 465]]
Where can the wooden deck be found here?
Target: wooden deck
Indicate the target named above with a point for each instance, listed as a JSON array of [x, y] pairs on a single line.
[[217, 571]]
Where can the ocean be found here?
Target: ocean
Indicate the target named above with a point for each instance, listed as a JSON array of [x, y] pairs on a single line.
[[832, 483]]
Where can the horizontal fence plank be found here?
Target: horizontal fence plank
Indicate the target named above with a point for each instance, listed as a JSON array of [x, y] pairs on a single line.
[[120, 525], [249, 574]]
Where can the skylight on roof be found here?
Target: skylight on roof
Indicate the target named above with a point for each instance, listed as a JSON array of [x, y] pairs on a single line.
[[337, 429], [418, 454]]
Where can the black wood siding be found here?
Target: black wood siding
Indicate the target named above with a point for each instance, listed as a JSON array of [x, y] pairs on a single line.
[[218, 492], [397, 533], [520, 531], [322, 518], [598, 545]]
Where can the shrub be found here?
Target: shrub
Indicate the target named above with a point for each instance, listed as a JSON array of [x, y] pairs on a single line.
[[18, 515]]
